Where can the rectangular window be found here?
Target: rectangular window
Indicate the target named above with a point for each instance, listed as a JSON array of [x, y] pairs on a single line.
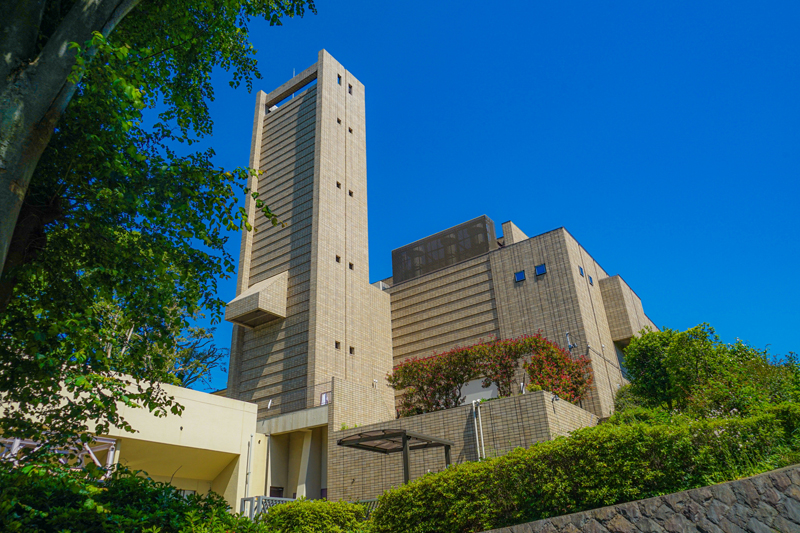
[[581, 270], [591, 281], [350, 130], [541, 269], [352, 350], [351, 193], [338, 259], [337, 344], [351, 266], [338, 121], [339, 79], [350, 89], [519, 276], [276, 492], [338, 185]]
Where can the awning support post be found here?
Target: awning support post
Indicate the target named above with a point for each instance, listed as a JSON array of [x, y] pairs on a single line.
[[405, 459]]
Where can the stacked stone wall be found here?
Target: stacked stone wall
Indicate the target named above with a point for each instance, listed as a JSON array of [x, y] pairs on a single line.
[[767, 503]]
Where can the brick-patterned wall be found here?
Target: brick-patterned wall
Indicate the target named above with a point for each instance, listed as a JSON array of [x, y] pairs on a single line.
[[436, 312], [626, 317], [508, 423], [345, 308], [594, 336], [312, 148], [272, 359], [480, 299], [358, 404], [767, 503]]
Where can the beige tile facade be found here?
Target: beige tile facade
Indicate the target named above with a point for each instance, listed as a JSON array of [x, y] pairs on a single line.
[[309, 139], [479, 299], [507, 423]]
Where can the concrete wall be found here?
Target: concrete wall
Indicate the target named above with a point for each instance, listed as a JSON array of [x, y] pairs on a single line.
[[206, 448], [767, 503], [507, 423]]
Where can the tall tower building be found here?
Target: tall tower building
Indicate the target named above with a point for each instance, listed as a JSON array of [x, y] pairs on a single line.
[[305, 312]]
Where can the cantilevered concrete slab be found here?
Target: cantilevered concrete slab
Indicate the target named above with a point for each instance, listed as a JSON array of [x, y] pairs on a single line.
[[263, 302]]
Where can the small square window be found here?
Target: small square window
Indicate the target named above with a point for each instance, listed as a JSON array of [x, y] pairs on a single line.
[[338, 185], [352, 267], [591, 281], [352, 351], [339, 79], [338, 259], [350, 89], [338, 121], [541, 269], [580, 269], [350, 192], [519, 276], [338, 345]]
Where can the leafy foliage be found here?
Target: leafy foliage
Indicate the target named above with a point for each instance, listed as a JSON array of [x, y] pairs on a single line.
[[53, 499], [692, 371], [316, 516], [594, 467], [196, 357], [127, 237], [435, 383], [49, 499], [553, 369]]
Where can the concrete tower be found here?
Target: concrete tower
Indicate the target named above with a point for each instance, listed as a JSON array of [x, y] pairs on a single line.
[[305, 312]]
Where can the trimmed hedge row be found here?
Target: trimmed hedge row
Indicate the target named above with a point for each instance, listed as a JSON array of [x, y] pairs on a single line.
[[616, 462]]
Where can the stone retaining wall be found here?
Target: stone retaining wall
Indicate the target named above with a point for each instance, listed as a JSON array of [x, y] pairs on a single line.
[[767, 503]]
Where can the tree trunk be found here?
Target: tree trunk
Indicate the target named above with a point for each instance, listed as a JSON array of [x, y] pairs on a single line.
[[34, 91]]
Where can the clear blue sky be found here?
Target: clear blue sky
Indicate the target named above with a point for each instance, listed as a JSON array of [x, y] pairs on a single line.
[[664, 136]]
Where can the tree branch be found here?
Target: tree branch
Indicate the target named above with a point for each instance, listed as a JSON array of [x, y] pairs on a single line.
[[19, 27]]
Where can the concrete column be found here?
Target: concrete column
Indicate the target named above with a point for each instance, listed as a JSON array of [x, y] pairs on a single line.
[[302, 475]]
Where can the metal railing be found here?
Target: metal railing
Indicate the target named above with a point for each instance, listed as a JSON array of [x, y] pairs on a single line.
[[255, 505], [369, 506]]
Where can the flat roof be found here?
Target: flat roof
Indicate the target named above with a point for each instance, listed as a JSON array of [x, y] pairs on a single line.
[[391, 441]]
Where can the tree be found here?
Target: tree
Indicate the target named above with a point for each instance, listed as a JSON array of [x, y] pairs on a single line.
[[38, 80], [694, 371], [196, 357], [120, 236]]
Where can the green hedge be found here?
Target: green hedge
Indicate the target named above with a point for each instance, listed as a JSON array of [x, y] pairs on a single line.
[[47, 500], [316, 516], [612, 463]]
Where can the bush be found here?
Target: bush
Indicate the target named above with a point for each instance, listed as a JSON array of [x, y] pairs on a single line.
[[46, 499], [435, 383], [315, 516], [50, 499], [594, 467], [692, 371]]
